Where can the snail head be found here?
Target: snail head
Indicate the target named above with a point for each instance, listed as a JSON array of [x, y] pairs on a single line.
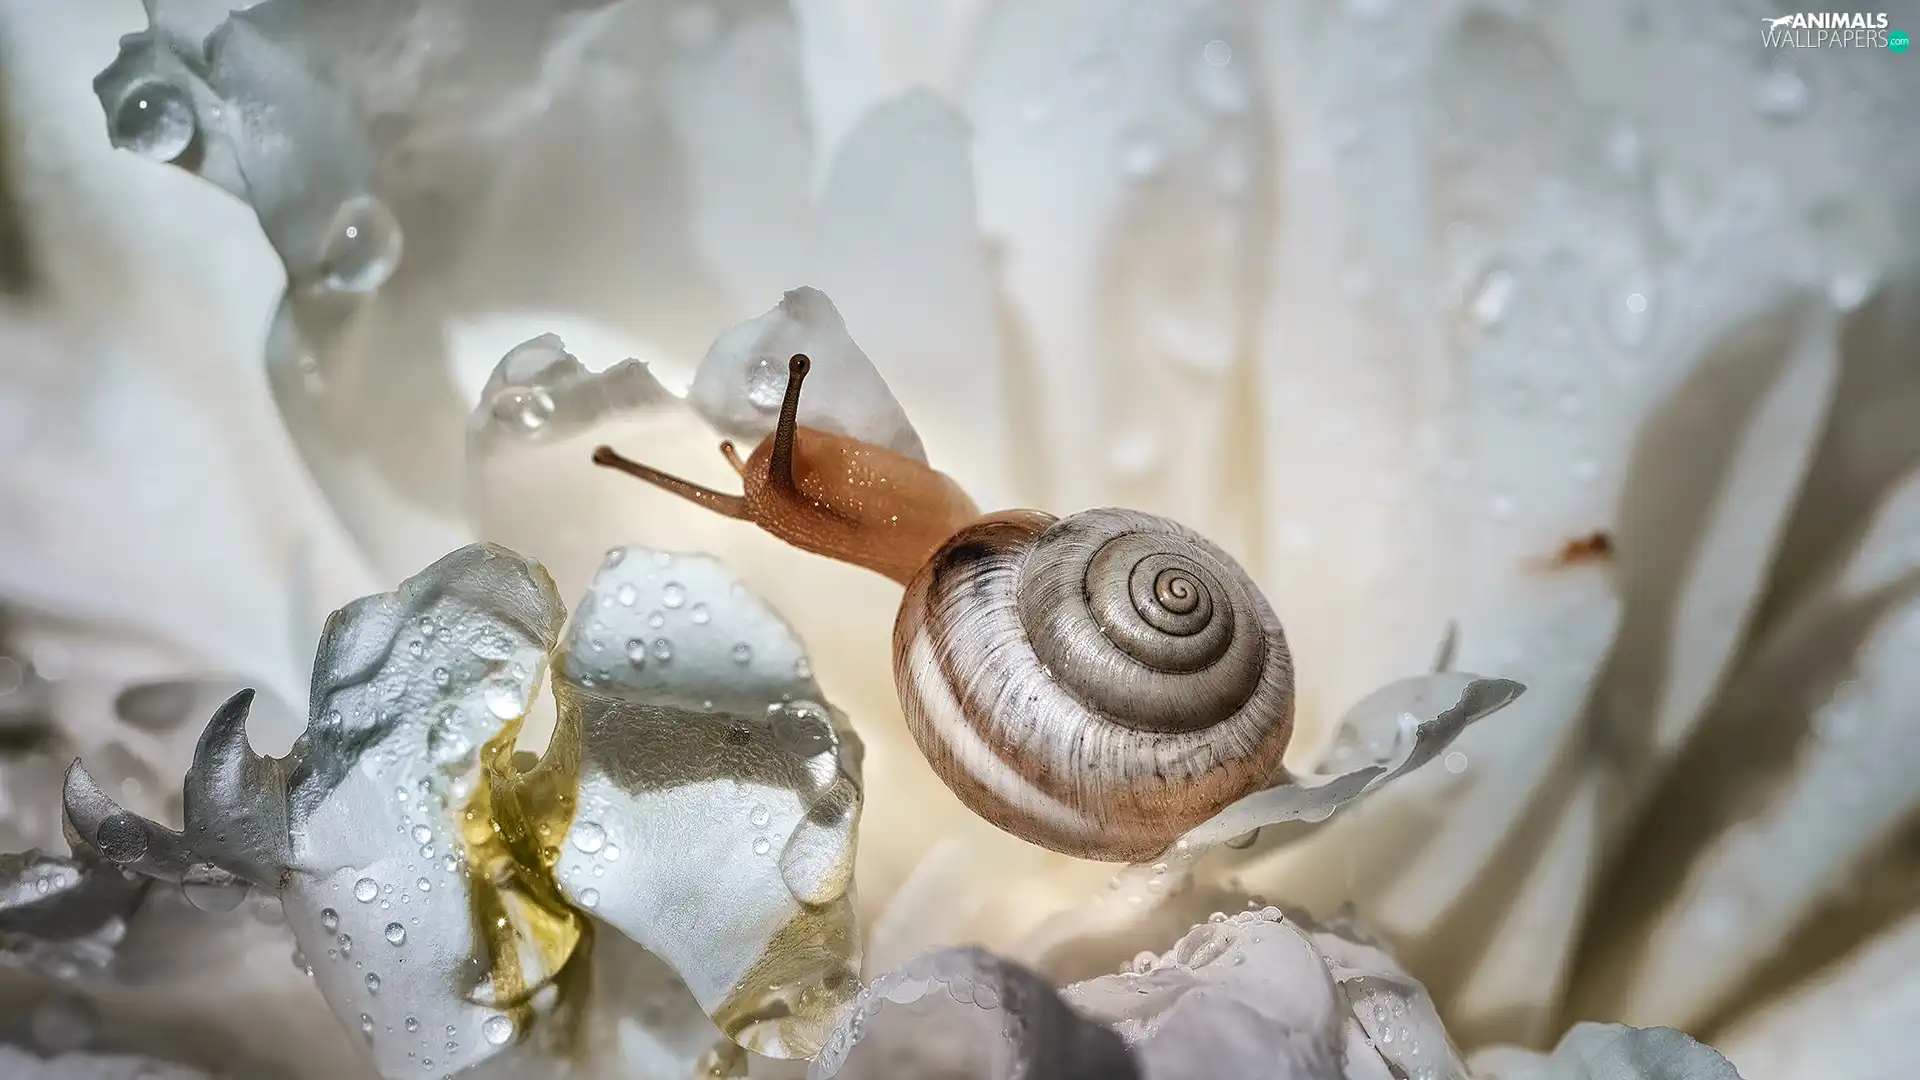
[[827, 493]]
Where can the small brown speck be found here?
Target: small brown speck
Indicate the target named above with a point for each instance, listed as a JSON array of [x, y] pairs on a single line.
[[1596, 547]]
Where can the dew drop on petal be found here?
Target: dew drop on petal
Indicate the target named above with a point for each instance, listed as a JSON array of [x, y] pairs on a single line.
[[662, 650], [422, 834], [365, 890], [362, 246], [589, 898], [589, 836], [742, 653], [673, 594], [636, 652], [700, 615], [373, 983], [329, 920], [627, 595], [497, 1030], [155, 120]]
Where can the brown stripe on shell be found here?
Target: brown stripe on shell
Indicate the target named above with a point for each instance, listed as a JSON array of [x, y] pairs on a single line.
[[1141, 789]]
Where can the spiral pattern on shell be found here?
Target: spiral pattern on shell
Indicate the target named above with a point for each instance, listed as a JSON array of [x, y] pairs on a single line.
[[1098, 684]]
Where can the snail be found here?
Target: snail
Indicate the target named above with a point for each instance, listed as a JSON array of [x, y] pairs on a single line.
[[1098, 684]]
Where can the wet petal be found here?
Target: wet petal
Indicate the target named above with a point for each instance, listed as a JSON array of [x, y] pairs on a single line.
[[1610, 1052], [1232, 997], [694, 210], [1398, 728], [964, 1014], [415, 912], [63, 917], [741, 382], [717, 798]]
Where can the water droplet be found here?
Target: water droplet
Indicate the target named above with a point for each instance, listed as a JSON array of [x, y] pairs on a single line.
[[1218, 53], [413, 1023], [396, 934], [627, 594], [366, 890], [362, 247], [373, 983], [656, 619], [1141, 156], [422, 834], [759, 817], [1849, 289], [329, 920], [1629, 316], [1781, 96], [122, 839], [636, 652], [155, 120], [802, 669], [1456, 762], [611, 853], [346, 944], [527, 407], [504, 698], [590, 898], [700, 615], [589, 836], [1490, 300], [742, 653], [662, 650], [766, 383], [497, 1030], [673, 594], [762, 846], [423, 885]]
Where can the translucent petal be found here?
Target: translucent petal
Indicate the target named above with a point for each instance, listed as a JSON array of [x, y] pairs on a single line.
[[1232, 997], [740, 384], [657, 226], [375, 832], [1610, 1052], [1397, 729], [717, 798], [964, 1014]]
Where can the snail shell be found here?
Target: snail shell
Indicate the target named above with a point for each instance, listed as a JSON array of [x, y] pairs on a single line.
[[1099, 684]]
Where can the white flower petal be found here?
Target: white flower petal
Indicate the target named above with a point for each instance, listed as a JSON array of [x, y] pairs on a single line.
[[964, 1014], [1610, 1052], [1118, 162], [21, 1065], [717, 799], [365, 831], [1854, 1021], [901, 253], [740, 384], [1397, 728]]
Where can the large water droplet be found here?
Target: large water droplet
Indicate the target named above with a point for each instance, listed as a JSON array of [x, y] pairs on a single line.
[[589, 898], [637, 652], [627, 594], [700, 615], [366, 890], [673, 594], [1490, 300], [373, 983], [329, 920], [210, 888], [396, 934], [589, 837], [1781, 96], [1141, 155], [362, 246], [155, 120], [766, 383], [742, 653], [526, 407], [662, 650], [121, 839], [497, 1030]]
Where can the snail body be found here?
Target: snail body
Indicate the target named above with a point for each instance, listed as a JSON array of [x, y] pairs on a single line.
[[1098, 684]]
